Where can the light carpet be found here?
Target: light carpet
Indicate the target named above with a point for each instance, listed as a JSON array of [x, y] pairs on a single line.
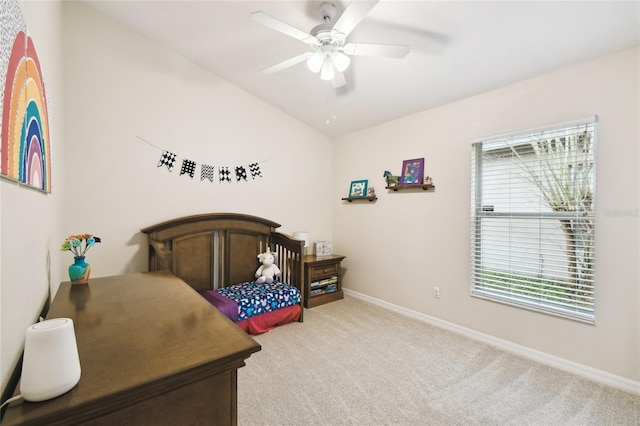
[[354, 363]]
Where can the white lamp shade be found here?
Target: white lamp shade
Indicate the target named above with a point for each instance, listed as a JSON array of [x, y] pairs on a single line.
[[51, 365], [314, 63], [340, 61], [327, 72], [302, 236]]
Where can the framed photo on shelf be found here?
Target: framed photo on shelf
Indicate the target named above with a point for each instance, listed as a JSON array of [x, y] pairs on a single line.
[[358, 189], [412, 172]]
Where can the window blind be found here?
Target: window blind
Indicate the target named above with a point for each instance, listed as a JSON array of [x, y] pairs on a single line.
[[533, 220]]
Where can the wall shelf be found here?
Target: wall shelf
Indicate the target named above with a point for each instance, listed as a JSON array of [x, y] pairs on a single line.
[[424, 187], [350, 199]]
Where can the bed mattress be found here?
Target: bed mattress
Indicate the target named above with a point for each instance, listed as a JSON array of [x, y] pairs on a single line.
[[251, 299]]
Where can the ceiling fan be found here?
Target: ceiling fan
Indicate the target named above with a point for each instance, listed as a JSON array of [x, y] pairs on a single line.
[[330, 51]]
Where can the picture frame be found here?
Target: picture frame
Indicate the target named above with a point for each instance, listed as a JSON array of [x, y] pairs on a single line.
[[358, 189], [412, 172]]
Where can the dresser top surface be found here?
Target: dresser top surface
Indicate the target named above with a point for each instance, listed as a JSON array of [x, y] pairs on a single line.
[[138, 330]]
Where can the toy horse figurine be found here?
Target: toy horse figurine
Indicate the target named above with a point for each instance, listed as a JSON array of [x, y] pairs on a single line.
[[391, 179]]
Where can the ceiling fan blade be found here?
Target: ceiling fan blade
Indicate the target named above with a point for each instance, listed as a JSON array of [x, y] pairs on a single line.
[[352, 16], [338, 80], [420, 39], [384, 50], [283, 27], [288, 63]]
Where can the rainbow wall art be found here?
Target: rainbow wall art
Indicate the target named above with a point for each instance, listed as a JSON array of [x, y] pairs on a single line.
[[25, 154]]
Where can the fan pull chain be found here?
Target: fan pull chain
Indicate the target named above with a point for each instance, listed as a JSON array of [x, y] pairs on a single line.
[[330, 115]]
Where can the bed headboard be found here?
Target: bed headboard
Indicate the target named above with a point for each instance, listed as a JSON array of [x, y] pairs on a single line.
[[215, 250]]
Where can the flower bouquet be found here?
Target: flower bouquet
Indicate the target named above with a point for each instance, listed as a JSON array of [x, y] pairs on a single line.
[[78, 245]]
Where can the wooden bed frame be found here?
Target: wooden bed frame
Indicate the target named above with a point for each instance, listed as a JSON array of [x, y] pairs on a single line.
[[215, 250]]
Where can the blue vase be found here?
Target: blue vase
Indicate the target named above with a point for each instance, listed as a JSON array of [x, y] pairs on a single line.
[[79, 271]]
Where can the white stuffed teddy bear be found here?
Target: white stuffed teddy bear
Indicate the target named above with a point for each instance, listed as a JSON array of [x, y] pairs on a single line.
[[267, 271]]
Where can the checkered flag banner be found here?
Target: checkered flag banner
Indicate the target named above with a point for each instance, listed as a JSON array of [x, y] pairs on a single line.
[[241, 173], [206, 172], [168, 159], [255, 170], [225, 175], [188, 168]]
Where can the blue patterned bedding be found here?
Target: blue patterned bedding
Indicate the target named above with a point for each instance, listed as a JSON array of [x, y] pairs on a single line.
[[254, 299]]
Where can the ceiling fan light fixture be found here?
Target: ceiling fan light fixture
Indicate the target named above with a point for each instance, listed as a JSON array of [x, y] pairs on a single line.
[[314, 63], [327, 72], [330, 54], [340, 61]]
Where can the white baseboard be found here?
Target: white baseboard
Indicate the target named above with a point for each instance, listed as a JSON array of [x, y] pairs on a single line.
[[581, 370]]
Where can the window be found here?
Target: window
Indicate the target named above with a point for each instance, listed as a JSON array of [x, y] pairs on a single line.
[[532, 220]]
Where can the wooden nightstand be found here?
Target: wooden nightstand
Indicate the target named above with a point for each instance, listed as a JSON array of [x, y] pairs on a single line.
[[322, 279]]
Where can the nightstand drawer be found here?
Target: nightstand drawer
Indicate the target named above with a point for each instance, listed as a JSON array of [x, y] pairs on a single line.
[[320, 271]]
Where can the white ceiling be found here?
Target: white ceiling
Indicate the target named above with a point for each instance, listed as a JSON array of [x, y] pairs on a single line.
[[458, 49]]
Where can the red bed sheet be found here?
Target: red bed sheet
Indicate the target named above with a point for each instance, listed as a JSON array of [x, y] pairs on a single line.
[[269, 320]]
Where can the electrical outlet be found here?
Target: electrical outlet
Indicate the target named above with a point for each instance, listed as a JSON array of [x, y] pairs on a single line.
[[436, 292]]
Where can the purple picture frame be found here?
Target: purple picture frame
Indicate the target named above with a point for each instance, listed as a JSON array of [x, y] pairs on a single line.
[[412, 172]]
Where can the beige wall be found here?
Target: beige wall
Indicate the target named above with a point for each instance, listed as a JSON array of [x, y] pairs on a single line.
[[122, 87], [408, 242], [29, 246]]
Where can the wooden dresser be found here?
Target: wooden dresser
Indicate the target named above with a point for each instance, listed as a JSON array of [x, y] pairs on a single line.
[[152, 352]]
